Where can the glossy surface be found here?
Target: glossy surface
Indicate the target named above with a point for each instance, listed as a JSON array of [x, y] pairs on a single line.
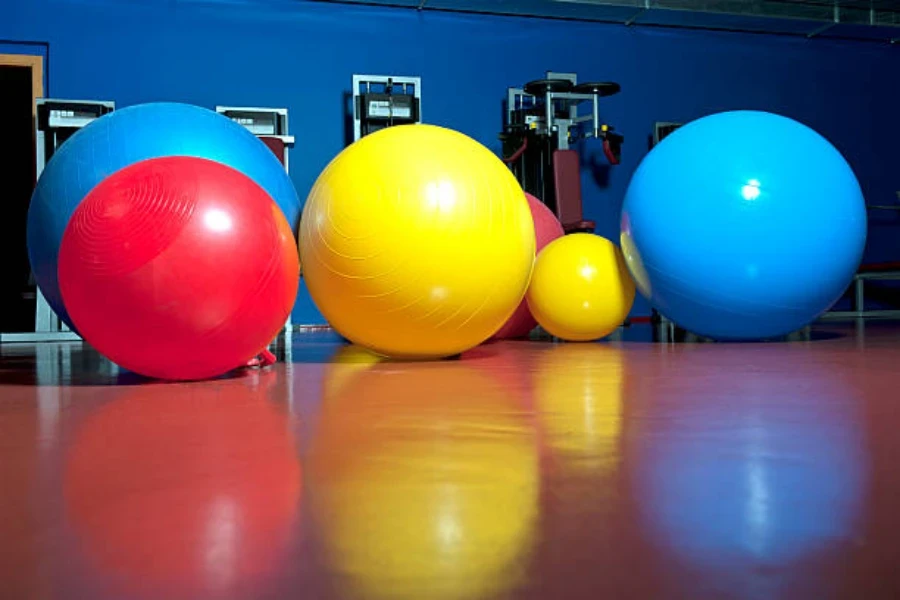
[[743, 225], [416, 241], [628, 469], [124, 137], [186, 254], [546, 229], [580, 289]]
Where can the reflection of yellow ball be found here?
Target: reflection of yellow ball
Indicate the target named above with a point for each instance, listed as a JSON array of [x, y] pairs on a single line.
[[578, 392], [423, 496], [417, 242], [581, 289]]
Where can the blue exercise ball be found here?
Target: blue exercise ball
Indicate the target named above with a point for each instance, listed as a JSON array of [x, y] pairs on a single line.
[[127, 136], [743, 225]]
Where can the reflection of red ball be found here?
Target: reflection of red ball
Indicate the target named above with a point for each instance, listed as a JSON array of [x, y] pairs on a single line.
[[546, 228], [185, 492], [186, 255]]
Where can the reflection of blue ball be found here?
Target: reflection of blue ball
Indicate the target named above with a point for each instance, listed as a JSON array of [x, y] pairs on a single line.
[[127, 136], [743, 225], [749, 473]]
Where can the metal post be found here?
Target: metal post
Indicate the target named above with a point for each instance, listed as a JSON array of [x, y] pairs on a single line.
[[859, 299]]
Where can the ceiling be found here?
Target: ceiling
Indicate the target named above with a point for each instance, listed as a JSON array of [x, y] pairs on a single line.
[[873, 20]]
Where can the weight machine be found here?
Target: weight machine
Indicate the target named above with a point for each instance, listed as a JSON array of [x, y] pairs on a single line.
[[542, 123], [381, 101], [270, 125], [57, 120]]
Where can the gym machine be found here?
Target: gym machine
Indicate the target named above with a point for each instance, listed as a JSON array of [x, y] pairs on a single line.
[[270, 125], [542, 123], [661, 129], [381, 101], [57, 120], [666, 330]]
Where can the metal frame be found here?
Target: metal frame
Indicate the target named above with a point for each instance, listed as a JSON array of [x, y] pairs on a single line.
[[47, 325], [661, 126], [859, 299], [517, 98], [386, 80], [262, 122], [270, 123], [871, 21]]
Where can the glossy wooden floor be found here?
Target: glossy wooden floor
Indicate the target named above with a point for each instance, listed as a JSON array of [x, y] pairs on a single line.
[[628, 469]]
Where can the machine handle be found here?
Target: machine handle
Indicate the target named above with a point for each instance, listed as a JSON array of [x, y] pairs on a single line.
[[518, 153]]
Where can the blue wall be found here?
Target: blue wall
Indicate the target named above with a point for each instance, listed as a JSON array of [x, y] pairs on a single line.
[[301, 55]]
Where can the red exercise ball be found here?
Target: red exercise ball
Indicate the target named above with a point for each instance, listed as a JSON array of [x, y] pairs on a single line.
[[178, 268], [546, 229]]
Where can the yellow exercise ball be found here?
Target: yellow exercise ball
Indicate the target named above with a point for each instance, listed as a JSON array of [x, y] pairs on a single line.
[[417, 242], [581, 289]]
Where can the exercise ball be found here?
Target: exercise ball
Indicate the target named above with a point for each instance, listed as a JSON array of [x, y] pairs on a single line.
[[743, 225], [416, 242], [178, 268], [127, 136], [581, 289], [546, 229]]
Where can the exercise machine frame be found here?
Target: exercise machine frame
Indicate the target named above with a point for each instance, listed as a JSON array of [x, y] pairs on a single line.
[[271, 123], [541, 125], [373, 110], [57, 119]]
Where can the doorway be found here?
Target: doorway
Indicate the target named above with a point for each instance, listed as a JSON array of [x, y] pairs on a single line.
[[21, 82]]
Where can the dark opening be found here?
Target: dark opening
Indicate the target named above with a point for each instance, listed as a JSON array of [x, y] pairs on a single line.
[[17, 176]]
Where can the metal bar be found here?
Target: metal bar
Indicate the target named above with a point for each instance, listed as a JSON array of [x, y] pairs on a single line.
[[820, 30], [630, 21], [548, 111], [572, 96], [46, 336], [859, 301], [835, 19], [853, 314], [883, 276]]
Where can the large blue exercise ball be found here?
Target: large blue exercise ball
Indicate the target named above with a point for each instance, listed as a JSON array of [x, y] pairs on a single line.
[[127, 136], [743, 225]]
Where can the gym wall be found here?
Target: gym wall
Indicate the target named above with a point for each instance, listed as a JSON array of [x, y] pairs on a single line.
[[301, 55]]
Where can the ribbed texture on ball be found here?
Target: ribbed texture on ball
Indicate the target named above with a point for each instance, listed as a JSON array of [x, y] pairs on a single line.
[[179, 268], [135, 208]]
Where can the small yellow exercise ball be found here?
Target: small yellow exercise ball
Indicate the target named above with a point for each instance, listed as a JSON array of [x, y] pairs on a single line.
[[581, 289], [417, 242]]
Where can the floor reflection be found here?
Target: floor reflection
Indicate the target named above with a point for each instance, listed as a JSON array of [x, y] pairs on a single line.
[[185, 493], [534, 470], [423, 479], [579, 401], [760, 464]]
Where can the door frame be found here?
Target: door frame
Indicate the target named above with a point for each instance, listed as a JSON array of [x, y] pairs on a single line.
[[33, 62], [36, 64]]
